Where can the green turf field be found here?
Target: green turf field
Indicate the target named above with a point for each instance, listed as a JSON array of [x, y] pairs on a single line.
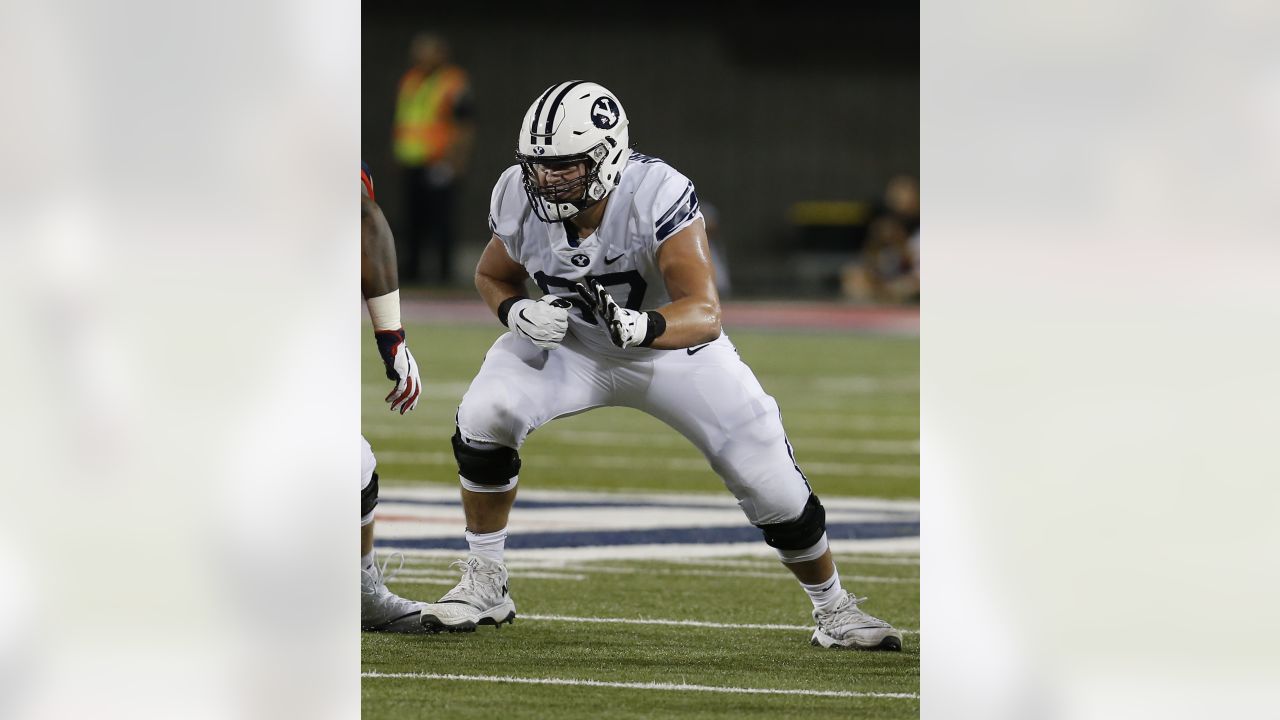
[[691, 645]]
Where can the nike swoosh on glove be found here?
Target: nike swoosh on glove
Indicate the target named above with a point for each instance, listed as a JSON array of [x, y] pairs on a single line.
[[541, 322], [627, 328], [402, 369]]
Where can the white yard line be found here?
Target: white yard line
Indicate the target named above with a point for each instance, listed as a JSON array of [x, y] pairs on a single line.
[[611, 462], [638, 686], [411, 571], [870, 446], [443, 573], [834, 420], [659, 552], [780, 574], [853, 560], [398, 580], [580, 572], [764, 565], [681, 623]]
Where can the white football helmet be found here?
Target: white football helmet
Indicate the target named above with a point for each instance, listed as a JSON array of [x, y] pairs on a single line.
[[572, 122]]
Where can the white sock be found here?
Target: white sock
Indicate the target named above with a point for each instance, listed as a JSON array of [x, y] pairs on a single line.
[[825, 594], [488, 545], [366, 561]]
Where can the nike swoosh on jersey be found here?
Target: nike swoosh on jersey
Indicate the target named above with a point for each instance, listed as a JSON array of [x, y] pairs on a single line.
[[693, 350], [610, 261]]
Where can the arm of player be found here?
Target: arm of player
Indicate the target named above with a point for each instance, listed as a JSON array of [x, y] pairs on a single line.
[[498, 277], [500, 281], [693, 315], [380, 285]]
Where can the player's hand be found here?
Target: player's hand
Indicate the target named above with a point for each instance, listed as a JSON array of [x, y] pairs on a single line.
[[627, 328], [541, 322], [402, 369]]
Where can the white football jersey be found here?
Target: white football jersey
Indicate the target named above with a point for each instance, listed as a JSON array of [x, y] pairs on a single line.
[[652, 202]]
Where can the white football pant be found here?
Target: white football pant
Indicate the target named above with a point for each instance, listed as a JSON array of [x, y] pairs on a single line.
[[367, 464], [708, 395]]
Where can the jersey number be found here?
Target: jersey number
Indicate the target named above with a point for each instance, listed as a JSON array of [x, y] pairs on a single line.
[[630, 279]]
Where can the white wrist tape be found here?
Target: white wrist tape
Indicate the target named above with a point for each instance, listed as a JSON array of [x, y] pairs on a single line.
[[384, 310]]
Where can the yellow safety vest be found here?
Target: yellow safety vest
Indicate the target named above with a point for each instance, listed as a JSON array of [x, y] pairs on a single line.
[[425, 127]]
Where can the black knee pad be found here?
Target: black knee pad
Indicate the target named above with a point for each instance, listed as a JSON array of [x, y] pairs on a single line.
[[801, 533], [495, 466], [369, 497]]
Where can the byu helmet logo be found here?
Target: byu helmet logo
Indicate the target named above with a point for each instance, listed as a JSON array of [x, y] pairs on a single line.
[[538, 150], [604, 112]]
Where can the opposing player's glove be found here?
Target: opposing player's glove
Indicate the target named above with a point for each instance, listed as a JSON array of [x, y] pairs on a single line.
[[541, 322], [627, 328], [401, 369]]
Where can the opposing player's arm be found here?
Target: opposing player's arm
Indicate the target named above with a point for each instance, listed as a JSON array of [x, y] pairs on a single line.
[[378, 275], [693, 316], [380, 284]]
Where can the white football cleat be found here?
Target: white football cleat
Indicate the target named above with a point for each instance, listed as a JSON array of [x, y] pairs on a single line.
[[846, 626], [480, 598], [382, 610]]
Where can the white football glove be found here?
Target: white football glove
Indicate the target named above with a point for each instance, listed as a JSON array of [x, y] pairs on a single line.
[[627, 328], [541, 322], [401, 368]]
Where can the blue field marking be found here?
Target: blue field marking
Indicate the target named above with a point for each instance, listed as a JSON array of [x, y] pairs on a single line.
[[523, 502], [658, 536]]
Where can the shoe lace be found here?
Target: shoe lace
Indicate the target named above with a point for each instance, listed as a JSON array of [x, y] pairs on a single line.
[[387, 577], [468, 568], [848, 605], [851, 603], [474, 575], [379, 575], [847, 610]]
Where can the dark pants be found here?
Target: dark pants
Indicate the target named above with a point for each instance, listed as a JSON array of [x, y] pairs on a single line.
[[430, 214]]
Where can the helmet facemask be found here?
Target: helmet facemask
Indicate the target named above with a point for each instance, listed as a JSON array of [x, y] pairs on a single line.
[[569, 123], [564, 199]]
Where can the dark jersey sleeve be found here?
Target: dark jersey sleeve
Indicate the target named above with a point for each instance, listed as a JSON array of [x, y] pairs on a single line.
[[367, 180]]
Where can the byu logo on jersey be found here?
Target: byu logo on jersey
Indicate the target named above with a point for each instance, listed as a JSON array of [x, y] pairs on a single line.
[[580, 260], [604, 112]]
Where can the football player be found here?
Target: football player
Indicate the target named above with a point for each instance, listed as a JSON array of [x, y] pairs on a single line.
[[381, 609], [629, 316]]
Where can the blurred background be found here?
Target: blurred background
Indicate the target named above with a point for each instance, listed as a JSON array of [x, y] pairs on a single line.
[[802, 137]]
